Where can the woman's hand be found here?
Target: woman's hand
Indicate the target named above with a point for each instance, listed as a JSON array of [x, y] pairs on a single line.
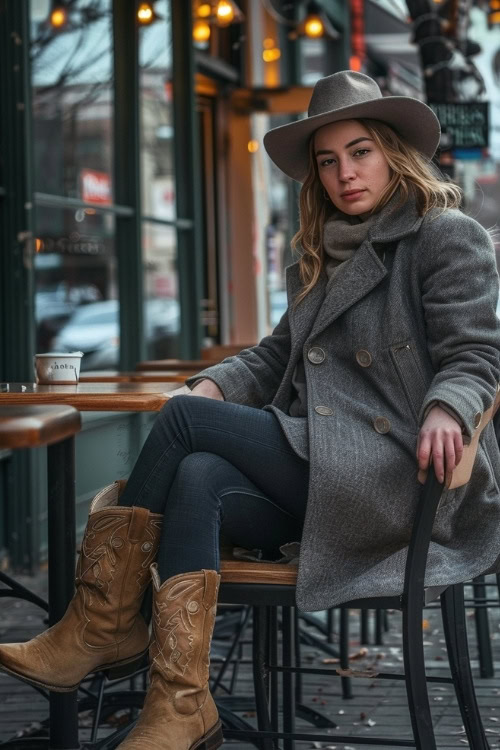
[[439, 439]]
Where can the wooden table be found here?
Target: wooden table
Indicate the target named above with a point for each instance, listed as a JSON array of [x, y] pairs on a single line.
[[151, 376], [84, 397], [29, 426], [90, 396], [190, 365]]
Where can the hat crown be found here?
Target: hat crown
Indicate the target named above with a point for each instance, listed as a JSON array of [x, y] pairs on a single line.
[[341, 90]]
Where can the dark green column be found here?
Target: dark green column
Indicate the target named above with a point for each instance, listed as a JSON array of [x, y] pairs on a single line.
[[188, 180], [16, 261], [127, 182], [16, 206]]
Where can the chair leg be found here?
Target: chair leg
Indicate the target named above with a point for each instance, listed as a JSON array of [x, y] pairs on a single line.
[[486, 668], [415, 680], [260, 673], [287, 623], [455, 630], [329, 626], [298, 658], [273, 659], [344, 653], [379, 624], [364, 637]]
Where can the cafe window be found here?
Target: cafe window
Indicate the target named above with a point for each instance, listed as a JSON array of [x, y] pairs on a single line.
[[76, 296], [159, 244], [73, 100]]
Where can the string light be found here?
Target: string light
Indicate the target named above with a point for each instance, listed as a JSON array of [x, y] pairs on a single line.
[[313, 27], [253, 146], [204, 10], [146, 14], [271, 55], [201, 31], [225, 13], [58, 17]]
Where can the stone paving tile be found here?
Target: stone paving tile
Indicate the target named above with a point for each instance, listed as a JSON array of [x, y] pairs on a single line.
[[378, 707]]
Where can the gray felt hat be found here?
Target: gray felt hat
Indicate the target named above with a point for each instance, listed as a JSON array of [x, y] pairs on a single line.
[[344, 96]]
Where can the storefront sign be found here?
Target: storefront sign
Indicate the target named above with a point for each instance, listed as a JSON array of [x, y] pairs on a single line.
[[95, 186], [463, 124]]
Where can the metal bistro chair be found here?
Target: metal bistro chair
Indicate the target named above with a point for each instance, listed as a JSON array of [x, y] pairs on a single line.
[[269, 586]]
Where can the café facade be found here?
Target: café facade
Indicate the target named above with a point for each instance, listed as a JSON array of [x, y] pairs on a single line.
[[130, 162]]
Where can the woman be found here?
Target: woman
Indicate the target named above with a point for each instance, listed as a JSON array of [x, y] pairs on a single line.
[[389, 348]]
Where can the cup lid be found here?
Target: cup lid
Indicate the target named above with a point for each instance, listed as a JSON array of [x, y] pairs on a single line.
[[60, 354]]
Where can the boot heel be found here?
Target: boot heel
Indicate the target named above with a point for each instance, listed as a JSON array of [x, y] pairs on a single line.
[[213, 742], [124, 670]]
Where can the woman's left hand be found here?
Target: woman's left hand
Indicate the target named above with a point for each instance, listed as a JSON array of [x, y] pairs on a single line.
[[439, 439]]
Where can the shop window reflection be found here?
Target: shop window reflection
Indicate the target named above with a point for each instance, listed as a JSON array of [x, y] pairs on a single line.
[[156, 116], [76, 306], [73, 100], [161, 301]]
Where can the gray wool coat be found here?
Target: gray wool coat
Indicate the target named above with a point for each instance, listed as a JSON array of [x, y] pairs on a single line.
[[409, 320]]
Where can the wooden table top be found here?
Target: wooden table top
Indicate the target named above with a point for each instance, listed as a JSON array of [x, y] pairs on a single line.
[[30, 426], [151, 376], [90, 396], [190, 365]]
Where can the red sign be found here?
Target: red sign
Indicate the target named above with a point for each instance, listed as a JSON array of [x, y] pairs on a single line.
[[95, 186]]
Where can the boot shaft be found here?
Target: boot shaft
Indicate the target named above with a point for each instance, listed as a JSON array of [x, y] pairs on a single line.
[[184, 609], [113, 568]]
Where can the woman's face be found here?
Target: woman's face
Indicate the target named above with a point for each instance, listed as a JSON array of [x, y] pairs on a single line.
[[351, 167]]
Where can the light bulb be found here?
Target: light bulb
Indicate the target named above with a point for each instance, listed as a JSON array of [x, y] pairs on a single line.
[[145, 13], [225, 12], [313, 27], [201, 31], [204, 10], [59, 17]]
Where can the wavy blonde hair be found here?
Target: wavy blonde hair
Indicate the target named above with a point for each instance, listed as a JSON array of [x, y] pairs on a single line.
[[411, 174]]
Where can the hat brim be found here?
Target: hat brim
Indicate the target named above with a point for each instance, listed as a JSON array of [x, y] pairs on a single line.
[[414, 121]]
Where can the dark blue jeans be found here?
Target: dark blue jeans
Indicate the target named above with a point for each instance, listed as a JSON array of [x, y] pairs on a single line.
[[212, 468]]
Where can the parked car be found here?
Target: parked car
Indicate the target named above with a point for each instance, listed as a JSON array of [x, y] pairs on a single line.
[[55, 304], [94, 329]]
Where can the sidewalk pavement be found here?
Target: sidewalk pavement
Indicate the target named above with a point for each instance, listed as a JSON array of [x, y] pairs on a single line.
[[377, 708]]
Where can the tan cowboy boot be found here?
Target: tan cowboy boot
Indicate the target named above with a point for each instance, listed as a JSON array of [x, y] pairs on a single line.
[[102, 626], [179, 712]]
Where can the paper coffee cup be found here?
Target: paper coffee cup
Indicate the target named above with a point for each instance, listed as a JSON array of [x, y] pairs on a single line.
[[58, 368]]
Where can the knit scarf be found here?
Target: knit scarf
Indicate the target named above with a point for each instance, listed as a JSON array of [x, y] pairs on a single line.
[[342, 236]]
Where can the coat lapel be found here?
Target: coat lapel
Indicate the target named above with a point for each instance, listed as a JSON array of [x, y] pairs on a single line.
[[302, 317], [353, 281]]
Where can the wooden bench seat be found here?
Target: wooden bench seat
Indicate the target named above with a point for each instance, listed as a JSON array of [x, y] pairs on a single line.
[[241, 571]]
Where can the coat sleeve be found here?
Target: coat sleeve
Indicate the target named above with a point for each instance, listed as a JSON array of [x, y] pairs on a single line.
[[459, 285], [253, 376]]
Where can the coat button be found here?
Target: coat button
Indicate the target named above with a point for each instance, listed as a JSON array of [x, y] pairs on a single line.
[[316, 355], [325, 411], [477, 419], [382, 425], [363, 358]]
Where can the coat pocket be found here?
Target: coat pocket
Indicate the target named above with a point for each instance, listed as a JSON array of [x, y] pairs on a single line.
[[405, 361]]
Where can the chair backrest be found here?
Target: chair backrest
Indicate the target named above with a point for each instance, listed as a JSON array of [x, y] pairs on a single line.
[[428, 506]]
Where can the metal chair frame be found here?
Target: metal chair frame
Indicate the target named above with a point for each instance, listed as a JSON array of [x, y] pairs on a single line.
[[265, 598]]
